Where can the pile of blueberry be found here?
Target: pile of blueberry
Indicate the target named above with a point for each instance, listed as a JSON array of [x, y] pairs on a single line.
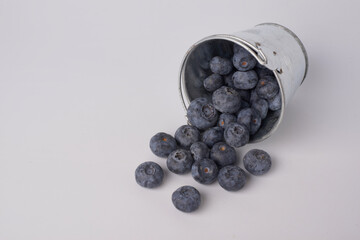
[[243, 92]]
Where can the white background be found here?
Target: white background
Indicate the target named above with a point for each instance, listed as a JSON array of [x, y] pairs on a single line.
[[85, 84]]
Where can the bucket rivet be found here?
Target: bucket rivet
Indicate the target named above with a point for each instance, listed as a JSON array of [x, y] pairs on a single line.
[[279, 70], [257, 44]]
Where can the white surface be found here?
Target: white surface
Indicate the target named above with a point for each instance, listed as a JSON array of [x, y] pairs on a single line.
[[85, 84]]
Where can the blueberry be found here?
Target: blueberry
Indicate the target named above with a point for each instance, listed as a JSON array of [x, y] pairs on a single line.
[[149, 174], [186, 199], [275, 102], [204, 171], [212, 136], [199, 150], [213, 82], [228, 80], [243, 61], [236, 135], [226, 100], [263, 72], [225, 119], [223, 154], [179, 161], [202, 114], [245, 95], [232, 178], [253, 96], [250, 118], [239, 49], [267, 87], [245, 80], [162, 144], [261, 106], [257, 162], [220, 65], [187, 135]]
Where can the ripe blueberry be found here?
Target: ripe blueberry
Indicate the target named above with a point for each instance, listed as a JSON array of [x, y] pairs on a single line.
[[236, 135], [187, 135], [250, 118], [225, 119], [223, 154], [257, 162], [275, 102], [263, 71], [232, 178], [243, 61], [149, 174], [162, 144], [186, 199], [212, 136], [245, 80], [228, 80], [213, 82], [267, 87], [179, 161], [202, 114], [199, 150], [226, 100], [204, 171], [220, 65], [261, 106]]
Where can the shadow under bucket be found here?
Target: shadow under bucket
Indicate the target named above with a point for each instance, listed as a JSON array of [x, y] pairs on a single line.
[[274, 47]]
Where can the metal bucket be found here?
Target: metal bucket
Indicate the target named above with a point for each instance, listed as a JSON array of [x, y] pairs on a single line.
[[274, 46]]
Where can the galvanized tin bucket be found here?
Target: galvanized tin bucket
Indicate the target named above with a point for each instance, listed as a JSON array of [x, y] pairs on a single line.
[[274, 46]]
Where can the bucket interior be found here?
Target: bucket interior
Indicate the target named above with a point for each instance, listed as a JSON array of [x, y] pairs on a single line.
[[196, 68]]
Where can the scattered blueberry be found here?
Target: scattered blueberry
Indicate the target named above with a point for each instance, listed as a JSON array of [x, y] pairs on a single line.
[[199, 150], [220, 65], [261, 106], [212, 136], [232, 178], [225, 119], [186, 199], [162, 144], [226, 100], [149, 174], [204, 171], [236, 135], [243, 61], [245, 80], [187, 135], [179, 161], [257, 162], [267, 87], [250, 118], [202, 114], [213, 82], [275, 102], [223, 154]]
